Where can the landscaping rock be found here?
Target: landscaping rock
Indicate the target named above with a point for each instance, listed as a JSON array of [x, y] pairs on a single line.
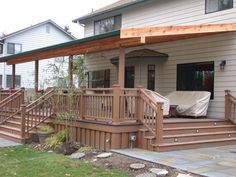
[[147, 175], [104, 155], [184, 175], [66, 149], [94, 160], [77, 155], [137, 166], [159, 172]]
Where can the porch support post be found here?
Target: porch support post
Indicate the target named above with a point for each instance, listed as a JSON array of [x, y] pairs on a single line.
[[70, 71], [36, 76], [121, 77], [116, 104], [227, 105], [159, 124], [13, 81]]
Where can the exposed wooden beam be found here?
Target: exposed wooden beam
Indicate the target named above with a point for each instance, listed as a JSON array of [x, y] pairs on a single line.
[[36, 76], [121, 77], [176, 30], [13, 80]]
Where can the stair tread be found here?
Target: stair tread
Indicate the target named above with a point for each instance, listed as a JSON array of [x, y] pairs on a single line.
[[195, 142], [199, 127], [9, 127], [194, 121], [150, 137], [10, 134], [199, 134]]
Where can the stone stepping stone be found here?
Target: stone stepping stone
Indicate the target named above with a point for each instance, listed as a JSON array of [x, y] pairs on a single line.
[[184, 175], [159, 172], [104, 155], [147, 175], [137, 166], [77, 155]]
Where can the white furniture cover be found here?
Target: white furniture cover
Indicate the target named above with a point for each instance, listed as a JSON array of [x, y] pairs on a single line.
[[159, 98], [190, 103]]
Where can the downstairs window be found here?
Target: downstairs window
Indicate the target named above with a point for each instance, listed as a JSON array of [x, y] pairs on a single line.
[[9, 81], [196, 77], [99, 79]]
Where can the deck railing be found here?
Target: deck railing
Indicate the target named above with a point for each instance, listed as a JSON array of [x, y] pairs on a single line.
[[11, 104], [230, 106], [151, 114], [97, 103], [4, 93], [37, 112]]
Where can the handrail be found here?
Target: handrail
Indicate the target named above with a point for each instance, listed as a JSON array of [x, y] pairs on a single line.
[[151, 114], [36, 112], [9, 98], [230, 106], [11, 106]]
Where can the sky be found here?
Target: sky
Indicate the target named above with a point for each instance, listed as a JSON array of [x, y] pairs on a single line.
[[18, 14]]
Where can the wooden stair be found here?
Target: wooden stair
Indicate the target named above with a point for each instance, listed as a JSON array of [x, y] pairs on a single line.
[[189, 134], [11, 129]]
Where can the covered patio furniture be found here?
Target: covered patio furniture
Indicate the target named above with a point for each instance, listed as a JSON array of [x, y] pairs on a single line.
[[190, 103], [160, 99]]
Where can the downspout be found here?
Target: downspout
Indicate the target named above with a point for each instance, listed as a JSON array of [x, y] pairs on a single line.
[[4, 67]]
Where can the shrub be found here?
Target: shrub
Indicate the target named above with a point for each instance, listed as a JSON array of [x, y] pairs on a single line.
[[56, 140], [46, 128]]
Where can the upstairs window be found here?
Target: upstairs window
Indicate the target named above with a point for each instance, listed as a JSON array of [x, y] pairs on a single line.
[[1, 48], [48, 29], [99, 79], [107, 24], [218, 5], [13, 48], [196, 77]]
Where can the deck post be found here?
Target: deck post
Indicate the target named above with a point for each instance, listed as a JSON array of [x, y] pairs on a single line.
[[70, 71], [227, 105], [159, 124], [23, 110], [36, 76], [139, 104], [13, 80], [116, 104], [121, 78], [81, 104]]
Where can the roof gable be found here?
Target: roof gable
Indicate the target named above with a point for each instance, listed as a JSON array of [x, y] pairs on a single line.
[[35, 26], [120, 4]]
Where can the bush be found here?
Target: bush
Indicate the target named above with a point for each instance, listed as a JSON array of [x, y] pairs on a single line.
[[56, 140], [46, 129]]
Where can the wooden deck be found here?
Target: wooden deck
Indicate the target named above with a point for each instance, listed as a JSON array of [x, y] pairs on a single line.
[[107, 118]]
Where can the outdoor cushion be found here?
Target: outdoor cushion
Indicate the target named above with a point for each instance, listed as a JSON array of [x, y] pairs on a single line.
[[190, 103]]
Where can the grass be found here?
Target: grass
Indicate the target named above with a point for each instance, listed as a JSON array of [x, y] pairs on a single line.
[[22, 161]]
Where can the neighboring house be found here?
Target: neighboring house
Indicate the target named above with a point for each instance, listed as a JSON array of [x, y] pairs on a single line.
[[203, 63], [36, 36]]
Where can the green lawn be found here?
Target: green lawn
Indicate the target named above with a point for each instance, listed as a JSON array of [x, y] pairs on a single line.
[[23, 161]]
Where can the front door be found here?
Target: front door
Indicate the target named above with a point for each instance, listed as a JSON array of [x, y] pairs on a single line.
[[129, 76]]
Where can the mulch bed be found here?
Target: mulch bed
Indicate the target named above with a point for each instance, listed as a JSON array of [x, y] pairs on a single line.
[[116, 161]]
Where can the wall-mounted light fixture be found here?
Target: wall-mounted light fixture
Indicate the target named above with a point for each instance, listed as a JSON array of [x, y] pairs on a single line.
[[222, 65]]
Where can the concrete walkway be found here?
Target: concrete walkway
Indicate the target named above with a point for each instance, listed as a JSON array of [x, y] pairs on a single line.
[[7, 143], [212, 162]]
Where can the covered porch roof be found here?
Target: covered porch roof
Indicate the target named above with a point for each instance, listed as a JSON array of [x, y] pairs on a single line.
[[129, 37]]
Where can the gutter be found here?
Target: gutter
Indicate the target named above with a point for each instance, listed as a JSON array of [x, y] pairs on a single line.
[[80, 19]]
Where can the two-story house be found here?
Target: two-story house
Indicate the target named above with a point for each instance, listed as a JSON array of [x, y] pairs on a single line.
[[170, 70], [163, 45], [36, 36]]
